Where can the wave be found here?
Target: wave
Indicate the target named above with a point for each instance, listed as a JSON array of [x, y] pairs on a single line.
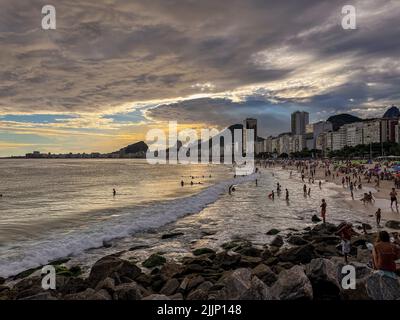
[[129, 222]]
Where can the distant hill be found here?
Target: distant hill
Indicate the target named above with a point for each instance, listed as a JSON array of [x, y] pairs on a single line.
[[138, 147], [341, 119], [393, 112]]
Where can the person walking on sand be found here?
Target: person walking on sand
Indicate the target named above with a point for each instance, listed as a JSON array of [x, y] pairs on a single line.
[[393, 199], [287, 194], [114, 192], [384, 255], [323, 210], [320, 184], [272, 195], [305, 190], [309, 192], [378, 214], [182, 183], [345, 233]]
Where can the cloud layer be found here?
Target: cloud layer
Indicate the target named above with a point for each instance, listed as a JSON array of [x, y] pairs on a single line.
[[209, 62]]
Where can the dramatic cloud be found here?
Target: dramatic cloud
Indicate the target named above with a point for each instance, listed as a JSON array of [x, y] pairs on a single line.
[[111, 64]]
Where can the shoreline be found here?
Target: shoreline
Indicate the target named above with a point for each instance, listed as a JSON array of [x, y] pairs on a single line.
[[284, 243]]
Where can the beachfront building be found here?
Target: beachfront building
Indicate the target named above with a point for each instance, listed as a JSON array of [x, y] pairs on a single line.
[[388, 129], [284, 143], [372, 131], [397, 133], [339, 139], [316, 129], [299, 121], [298, 143], [354, 134]]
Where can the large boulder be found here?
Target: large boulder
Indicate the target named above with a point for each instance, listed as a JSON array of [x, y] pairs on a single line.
[[227, 260], [303, 254], [381, 287], [154, 260], [393, 224], [297, 240], [323, 276], [277, 241], [128, 291], [273, 232], [240, 284], [115, 268], [170, 287], [265, 274], [201, 292], [292, 284]]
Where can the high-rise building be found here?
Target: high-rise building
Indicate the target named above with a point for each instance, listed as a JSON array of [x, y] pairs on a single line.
[[299, 121], [249, 124]]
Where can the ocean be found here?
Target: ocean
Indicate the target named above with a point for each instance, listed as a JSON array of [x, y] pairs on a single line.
[[52, 209]]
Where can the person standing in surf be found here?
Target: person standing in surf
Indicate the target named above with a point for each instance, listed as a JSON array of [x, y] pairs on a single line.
[[323, 210]]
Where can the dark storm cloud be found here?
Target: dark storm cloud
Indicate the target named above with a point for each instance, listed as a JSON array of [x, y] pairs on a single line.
[[105, 54]]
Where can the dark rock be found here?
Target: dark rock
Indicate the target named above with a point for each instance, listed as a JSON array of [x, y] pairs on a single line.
[[107, 284], [265, 274], [176, 296], [171, 235], [2, 280], [315, 218], [392, 224], [383, 287], [249, 262], [70, 285], [170, 287], [250, 251], [292, 284], [113, 267], [323, 276], [277, 241], [200, 251], [194, 282], [138, 247], [324, 228], [303, 254], [240, 284], [326, 250], [107, 244], [227, 261], [297, 240], [144, 279], [266, 254], [325, 239], [171, 269], [236, 244], [271, 261], [154, 260], [201, 292], [273, 232], [203, 260]]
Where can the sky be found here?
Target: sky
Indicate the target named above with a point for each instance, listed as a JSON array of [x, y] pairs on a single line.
[[113, 69]]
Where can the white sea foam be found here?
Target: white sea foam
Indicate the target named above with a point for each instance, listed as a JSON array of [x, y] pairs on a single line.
[[128, 222]]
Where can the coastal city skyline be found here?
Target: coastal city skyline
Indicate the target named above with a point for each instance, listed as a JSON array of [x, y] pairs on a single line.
[[106, 75]]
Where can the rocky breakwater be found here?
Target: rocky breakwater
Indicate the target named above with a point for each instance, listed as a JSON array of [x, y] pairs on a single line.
[[302, 265]]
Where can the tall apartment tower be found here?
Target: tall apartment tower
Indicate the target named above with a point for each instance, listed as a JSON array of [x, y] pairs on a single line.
[[299, 121], [249, 123]]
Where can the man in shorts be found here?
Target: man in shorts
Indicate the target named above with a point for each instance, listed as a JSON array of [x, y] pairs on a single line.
[[393, 199], [346, 232]]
